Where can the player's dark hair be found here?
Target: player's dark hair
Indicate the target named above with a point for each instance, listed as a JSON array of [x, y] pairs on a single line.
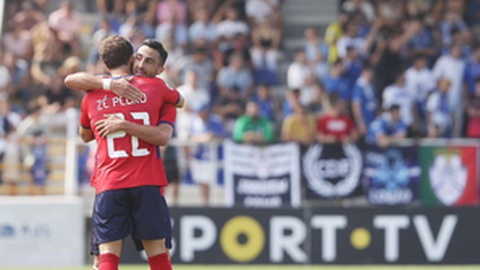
[[157, 46], [115, 51]]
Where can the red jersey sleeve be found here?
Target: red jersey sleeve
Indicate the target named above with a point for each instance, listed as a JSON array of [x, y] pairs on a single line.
[[84, 119], [168, 114], [170, 96]]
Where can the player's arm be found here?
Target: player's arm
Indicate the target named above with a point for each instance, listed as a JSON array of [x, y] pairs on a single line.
[[157, 135], [82, 81], [86, 134]]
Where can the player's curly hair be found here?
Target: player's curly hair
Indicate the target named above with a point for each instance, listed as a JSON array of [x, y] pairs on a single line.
[[115, 51], [157, 46]]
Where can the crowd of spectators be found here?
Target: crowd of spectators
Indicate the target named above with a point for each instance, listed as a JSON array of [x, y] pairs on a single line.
[[383, 71]]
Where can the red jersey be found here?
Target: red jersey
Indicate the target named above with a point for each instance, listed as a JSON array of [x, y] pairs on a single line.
[[338, 126], [124, 161]]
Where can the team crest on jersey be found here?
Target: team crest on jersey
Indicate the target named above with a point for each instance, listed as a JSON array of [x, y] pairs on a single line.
[[448, 178], [334, 173]]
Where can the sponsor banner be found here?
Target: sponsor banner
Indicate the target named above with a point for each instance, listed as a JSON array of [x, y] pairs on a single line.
[[332, 170], [449, 175], [391, 175], [41, 232], [262, 176], [323, 235]]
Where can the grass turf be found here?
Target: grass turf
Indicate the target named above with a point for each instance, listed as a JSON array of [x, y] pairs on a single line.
[[274, 267]]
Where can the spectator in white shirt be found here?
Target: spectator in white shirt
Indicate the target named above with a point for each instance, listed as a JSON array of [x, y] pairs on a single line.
[[171, 29], [197, 97], [397, 93], [258, 10], [350, 39], [236, 75], [229, 28], [202, 30], [451, 67], [300, 76], [420, 82]]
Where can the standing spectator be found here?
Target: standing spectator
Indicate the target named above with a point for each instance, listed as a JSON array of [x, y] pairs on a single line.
[[472, 72], [439, 111], [423, 42], [452, 67], [68, 24], [334, 82], [300, 76], [333, 33], [473, 110], [10, 157], [32, 132], [420, 82], [351, 39], [299, 127], [398, 93], [236, 75], [387, 128], [206, 128], [196, 96], [335, 125], [202, 30], [251, 128], [317, 53], [352, 67], [452, 20], [364, 101]]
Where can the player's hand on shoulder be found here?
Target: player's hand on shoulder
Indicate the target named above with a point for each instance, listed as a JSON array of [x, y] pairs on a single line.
[[122, 87], [109, 125]]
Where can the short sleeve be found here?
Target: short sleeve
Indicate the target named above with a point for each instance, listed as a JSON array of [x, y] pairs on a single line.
[[168, 115], [84, 118], [169, 96], [357, 93]]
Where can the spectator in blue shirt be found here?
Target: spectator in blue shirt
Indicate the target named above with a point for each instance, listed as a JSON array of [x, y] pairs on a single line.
[[205, 129], [387, 128], [265, 102], [452, 20], [472, 72], [334, 82], [423, 43], [353, 67], [440, 114], [364, 101]]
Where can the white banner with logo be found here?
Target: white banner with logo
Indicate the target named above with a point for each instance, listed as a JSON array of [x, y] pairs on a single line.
[[41, 232], [257, 176]]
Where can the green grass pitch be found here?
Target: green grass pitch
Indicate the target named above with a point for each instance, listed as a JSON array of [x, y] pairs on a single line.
[[273, 267]]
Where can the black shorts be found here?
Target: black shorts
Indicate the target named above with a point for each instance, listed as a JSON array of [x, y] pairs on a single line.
[[171, 170], [140, 211]]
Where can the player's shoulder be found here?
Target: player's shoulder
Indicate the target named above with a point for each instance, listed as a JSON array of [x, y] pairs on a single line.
[[156, 82]]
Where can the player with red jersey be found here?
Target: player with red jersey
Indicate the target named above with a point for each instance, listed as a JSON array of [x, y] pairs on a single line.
[[127, 155]]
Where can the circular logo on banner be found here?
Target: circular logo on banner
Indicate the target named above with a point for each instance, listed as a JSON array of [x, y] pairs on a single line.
[[332, 173]]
